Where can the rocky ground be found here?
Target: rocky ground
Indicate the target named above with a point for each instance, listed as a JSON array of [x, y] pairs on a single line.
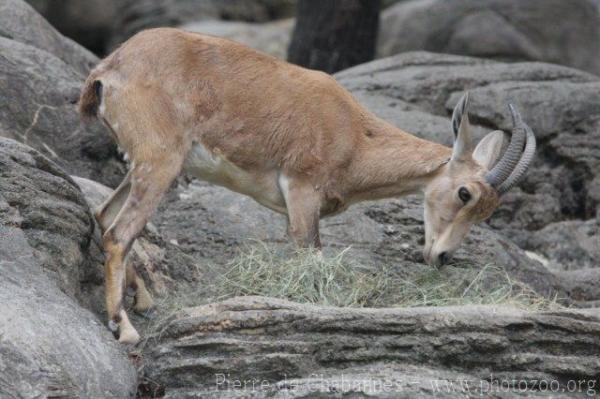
[[545, 235], [310, 351]]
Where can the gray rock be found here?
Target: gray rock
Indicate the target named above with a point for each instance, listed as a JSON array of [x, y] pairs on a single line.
[[52, 214], [537, 30], [219, 350], [136, 15], [93, 23], [269, 37], [582, 286], [593, 191], [38, 108], [569, 245], [19, 22], [49, 345]]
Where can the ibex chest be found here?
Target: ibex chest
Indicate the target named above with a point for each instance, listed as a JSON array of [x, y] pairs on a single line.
[[215, 168]]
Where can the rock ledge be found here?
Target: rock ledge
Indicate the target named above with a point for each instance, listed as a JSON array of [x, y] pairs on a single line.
[[202, 350]]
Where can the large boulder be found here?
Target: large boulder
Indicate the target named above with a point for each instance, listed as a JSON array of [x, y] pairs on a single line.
[[269, 37], [542, 30], [21, 23], [572, 248], [569, 245], [50, 345], [417, 91], [136, 15], [52, 214], [267, 348], [41, 73]]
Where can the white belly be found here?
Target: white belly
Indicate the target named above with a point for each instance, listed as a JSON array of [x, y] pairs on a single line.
[[215, 168]]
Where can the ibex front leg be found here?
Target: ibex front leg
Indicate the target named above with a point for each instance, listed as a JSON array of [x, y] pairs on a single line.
[[149, 181], [303, 204]]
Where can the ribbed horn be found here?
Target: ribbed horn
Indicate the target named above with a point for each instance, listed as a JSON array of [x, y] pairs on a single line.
[[519, 171], [512, 155]]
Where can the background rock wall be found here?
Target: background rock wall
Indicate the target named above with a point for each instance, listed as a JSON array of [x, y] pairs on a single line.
[[561, 32]]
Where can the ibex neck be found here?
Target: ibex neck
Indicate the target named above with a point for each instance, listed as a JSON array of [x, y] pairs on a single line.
[[394, 163]]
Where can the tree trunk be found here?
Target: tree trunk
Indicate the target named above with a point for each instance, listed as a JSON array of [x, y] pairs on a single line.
[[332, 35]]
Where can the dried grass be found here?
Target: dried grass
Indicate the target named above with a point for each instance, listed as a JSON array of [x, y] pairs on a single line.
[[308, 276]]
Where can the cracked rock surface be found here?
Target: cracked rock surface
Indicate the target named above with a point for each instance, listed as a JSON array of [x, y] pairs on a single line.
[[288, 350], [50, 346]]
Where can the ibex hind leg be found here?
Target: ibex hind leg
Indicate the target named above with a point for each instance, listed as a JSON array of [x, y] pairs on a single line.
[[150, 179], [105, 215], [142, 299]]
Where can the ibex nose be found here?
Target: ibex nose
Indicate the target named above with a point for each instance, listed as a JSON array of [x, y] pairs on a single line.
[[443, 258]]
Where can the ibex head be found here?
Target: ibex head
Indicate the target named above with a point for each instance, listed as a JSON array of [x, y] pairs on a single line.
[[468, 188]]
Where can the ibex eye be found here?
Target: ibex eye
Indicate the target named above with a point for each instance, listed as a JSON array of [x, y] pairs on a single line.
[[464, 194]]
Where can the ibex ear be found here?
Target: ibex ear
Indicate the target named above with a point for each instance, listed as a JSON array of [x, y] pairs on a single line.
[[489, 149], [461, 129]]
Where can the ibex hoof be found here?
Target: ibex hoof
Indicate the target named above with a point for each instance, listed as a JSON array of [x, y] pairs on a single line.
[[113, 326], [129, 336], [143, 301], [130, 291]]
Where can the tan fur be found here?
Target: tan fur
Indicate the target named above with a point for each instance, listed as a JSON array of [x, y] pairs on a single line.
[[291, 138], [447, 218]]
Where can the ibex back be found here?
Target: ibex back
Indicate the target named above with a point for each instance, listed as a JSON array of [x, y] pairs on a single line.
[[291, 138]]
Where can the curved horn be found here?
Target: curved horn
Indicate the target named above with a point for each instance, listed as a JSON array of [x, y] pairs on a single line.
[[461, 128], [459, 109], [512, 155], [519, 171]]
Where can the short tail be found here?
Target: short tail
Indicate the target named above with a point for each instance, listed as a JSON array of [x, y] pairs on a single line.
[[90, 98]]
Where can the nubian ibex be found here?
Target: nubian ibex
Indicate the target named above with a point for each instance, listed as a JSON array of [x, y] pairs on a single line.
[[291, 138]]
